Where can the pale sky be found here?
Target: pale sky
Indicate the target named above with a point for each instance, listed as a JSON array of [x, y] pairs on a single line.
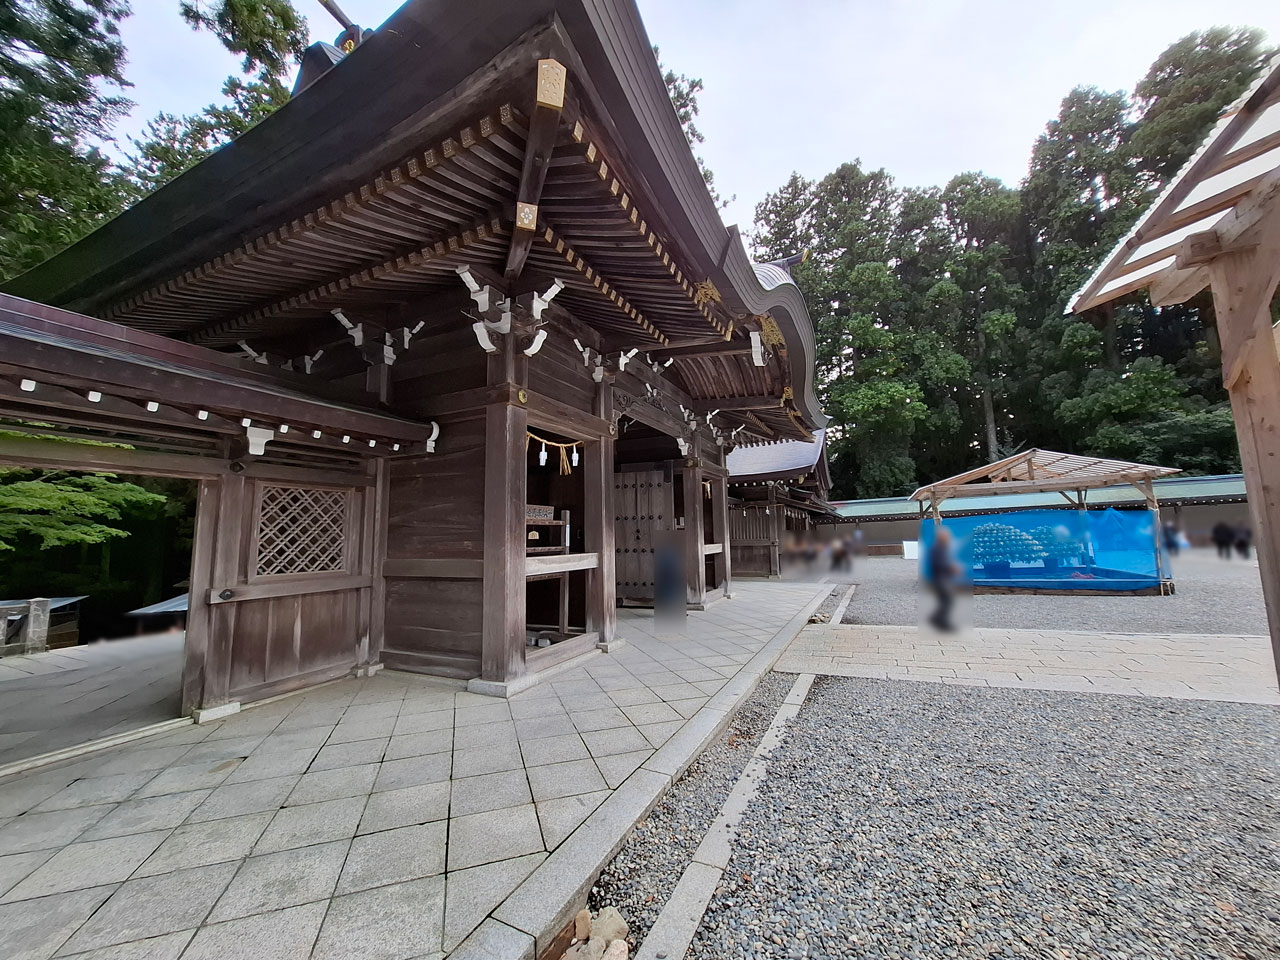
[[924, 88]]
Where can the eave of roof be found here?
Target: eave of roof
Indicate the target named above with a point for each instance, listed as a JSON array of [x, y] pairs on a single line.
[[369, 112]]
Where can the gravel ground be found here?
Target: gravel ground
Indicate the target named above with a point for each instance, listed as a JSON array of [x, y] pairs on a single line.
[[1213, 596], [641, 877], [919, 820]]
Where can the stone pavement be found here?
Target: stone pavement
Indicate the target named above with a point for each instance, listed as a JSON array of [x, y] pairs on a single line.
[[384, 818], [1191, 666], [66, 697]]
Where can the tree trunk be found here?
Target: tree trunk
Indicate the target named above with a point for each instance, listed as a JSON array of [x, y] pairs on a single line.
[[989, 417]]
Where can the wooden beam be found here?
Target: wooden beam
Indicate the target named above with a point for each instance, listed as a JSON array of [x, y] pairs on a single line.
[[737, 403], [715, 348], [1175, 286], [544, 125], [56, 455], [1244, 283]]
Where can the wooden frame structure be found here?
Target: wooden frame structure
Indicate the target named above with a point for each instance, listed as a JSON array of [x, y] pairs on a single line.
[[1216, 226], [420, 258]]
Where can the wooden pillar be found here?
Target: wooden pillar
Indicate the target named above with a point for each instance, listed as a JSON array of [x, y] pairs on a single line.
[[777, 527], [1243, 285], [505, 481], [720, 532], [598, 528], [374, 553], [695, 572], [199, 613], [228, 538]]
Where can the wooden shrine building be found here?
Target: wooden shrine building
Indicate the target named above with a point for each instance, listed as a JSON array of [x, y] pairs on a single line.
[[777, 493], [448, 340]]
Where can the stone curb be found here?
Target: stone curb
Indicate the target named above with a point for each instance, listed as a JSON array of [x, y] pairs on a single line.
[[673, 931], [536, 911]]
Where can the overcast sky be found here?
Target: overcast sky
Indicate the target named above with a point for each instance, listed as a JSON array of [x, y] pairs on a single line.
[[926, 89]]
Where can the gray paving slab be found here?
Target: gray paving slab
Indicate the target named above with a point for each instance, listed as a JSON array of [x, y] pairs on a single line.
[[406, 745], [472, 893], [397, 922], [94, 863], [287, 934], [405, 806], [237, 799], [34, 929], [413, 771], [312, 823], [493, 940], [423, 722], [353, 753], [545, 750], [495, 835], [90, 791], [15, 866], [214, 841], [490, 791], [565, 779], [195, 776], [333, 784], [40, 831], [561, 816], [169, 946], [394, 856], [152, 906], [284, 879], [473, 761]]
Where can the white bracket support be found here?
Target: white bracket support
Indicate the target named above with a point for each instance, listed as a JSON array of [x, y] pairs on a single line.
[[542, 300], [585, 351], [258, 437], [536, 344], [354, 330], [253, 354], [481, 330], [431, 440], [480, 294], [625, 358], [684, 446], [758, 355]]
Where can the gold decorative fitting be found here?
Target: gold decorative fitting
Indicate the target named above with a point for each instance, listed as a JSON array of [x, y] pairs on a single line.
[[551, 83], [522, 395], [705, 292], [769, 331], [788, 393], [348, 45], [526, 216]]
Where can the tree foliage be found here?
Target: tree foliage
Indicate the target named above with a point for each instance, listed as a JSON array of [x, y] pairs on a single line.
[[939, 313], [683, 92], [61, 83], [54, 509]]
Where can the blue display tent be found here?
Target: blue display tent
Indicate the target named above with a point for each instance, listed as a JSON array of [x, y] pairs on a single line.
[[1053, 550]]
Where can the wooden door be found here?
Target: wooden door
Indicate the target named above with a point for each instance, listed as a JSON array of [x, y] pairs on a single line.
[[643, 503]]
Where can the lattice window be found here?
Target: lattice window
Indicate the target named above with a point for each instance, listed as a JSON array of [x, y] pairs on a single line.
[[301, 530]]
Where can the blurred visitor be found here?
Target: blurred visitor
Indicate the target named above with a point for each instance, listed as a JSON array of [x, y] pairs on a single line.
[[941, 573], [1172, 538], [1244, 540], [669, 587], [1223, 537]]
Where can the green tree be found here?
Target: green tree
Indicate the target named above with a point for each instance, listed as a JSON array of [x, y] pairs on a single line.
[[270, 37], [61, 62], [54, 509]]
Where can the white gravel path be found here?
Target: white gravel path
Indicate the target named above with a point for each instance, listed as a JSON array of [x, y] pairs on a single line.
[[918, 820]]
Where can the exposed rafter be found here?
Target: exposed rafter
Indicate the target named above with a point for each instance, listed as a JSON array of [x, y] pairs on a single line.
[[544, 126]]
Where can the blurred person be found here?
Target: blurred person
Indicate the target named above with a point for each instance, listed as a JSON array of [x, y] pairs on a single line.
[[1244, 540], [1172, 538], [669, 586], [942, 572], [1223, 537]]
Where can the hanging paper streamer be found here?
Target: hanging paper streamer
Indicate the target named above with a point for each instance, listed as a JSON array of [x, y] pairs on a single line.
[[566, 463]]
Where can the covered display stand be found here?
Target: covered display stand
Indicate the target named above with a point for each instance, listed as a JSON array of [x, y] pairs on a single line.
[[1059, 550]]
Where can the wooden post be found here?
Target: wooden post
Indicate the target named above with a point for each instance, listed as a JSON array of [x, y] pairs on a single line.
[[199, 613], [777, 526], [720, 532], [1243, 283], [505, 482], [696, 573], [375, 538], [228, 539], [598, 526]]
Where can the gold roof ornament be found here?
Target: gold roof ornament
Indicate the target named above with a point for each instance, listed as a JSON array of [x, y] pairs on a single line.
[[769, 331], [704, 292]]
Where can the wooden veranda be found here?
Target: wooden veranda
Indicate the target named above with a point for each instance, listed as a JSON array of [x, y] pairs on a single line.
[[480, 227], [1216, 226]]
